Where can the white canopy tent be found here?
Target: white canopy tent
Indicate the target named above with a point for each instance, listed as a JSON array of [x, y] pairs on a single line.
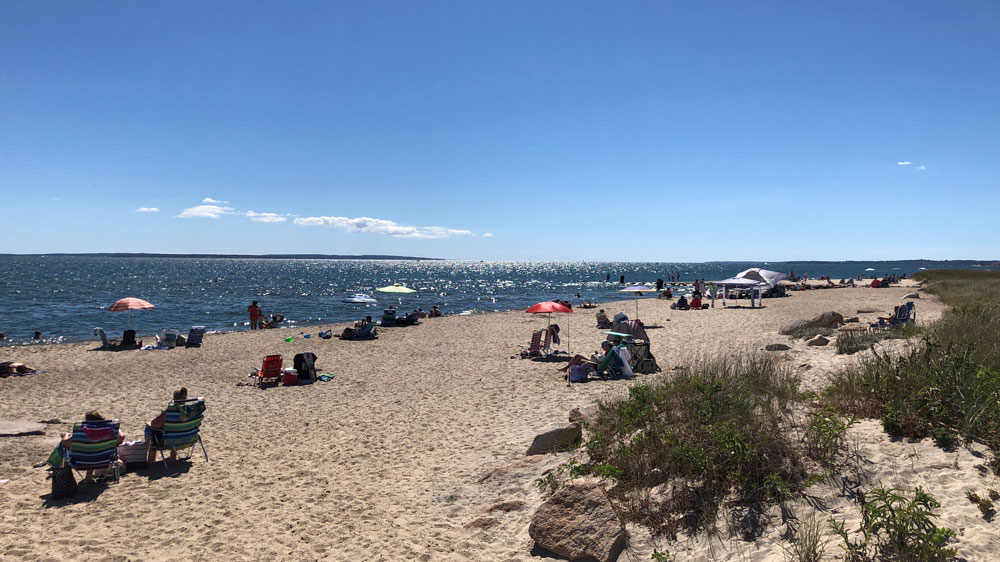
[[771, 278], [755, 287]]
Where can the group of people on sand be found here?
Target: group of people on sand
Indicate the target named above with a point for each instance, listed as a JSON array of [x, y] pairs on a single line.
[[153, 435], [258, 320]]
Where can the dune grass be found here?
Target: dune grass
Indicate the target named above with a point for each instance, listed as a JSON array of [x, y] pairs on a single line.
[[720, 433], [948, 387]]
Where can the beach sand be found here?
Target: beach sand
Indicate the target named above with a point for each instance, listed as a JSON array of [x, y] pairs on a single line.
[[401, 455]]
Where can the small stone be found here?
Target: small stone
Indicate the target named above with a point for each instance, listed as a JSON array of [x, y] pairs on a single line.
[[506, 506], [481, 523], [819, 340], [852, 320], [911, 296], [776, 347], [586, 413]]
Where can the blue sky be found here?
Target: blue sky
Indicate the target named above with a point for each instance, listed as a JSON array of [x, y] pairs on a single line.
[[671, 131]]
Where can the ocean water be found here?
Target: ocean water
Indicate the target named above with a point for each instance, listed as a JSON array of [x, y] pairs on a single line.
[[65, 297]]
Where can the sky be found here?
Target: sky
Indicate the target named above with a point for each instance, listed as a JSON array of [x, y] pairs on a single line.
[[515, 130]]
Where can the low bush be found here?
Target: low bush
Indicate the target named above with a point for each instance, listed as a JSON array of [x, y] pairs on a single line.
[[895, 527], [852, 342], [720, 429], [947, 386]]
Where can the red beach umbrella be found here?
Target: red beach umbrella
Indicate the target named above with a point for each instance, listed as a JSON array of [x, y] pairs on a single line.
[[128, 304], [548, 307]]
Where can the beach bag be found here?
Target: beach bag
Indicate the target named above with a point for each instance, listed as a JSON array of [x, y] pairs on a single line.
[[63, 483], [305, 365]]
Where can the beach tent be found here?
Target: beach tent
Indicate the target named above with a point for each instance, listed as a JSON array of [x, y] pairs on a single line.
[[753, 285], [771, 278]]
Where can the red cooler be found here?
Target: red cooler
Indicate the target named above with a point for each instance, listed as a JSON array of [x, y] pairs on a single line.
[[291, 377]]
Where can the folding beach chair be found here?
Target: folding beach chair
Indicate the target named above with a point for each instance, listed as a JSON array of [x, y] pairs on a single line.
[[366, 333], [195, 335], [94, 446], [906, 315], [642, 360], [603, 322], [269, 372], [105, 343], [389, 317], [534, 348], [606, 369], [128, 339], [181, 428]]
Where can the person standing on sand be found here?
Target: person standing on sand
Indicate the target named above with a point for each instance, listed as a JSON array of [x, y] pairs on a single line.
[[255, 313]]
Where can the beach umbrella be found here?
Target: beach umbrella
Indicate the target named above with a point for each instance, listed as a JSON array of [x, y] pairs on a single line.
[[547, 308], [396, 288], [130, 303], [637, 289]]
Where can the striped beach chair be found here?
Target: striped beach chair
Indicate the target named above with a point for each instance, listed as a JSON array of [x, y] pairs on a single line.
[[181, 428], [94, 446]]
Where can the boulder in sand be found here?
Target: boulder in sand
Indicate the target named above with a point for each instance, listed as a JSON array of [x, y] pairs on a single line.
[[776, 347], [867, 310], [818, 340], [911, 296], [578, 522], [825, 320], [555, 437]]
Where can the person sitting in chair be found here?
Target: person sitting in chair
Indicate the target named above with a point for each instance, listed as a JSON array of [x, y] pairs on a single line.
[[66, 439], [154, 431], [594, 360]]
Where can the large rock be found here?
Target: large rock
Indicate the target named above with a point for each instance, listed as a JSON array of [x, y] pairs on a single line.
[[825, 320], [555, 437], [818, 340], [776, 347], [579, 522], [911, 296]]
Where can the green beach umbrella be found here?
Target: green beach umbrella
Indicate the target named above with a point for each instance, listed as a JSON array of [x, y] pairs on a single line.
[[396, 288]]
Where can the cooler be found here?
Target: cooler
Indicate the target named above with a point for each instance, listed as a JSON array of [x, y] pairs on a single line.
[[290, 377]]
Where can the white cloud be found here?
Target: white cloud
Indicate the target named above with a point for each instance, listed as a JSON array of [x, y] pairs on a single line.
[[147, 210], [921, 167], [213, 201], [266, 217], [906, 163], [488, 235], [206, 211], [368, 225]]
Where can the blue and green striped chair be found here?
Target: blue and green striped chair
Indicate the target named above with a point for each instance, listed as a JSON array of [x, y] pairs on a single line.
[[94, 446], [180, 428]]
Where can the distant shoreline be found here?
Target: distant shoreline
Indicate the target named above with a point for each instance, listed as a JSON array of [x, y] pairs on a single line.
[[225, 256]]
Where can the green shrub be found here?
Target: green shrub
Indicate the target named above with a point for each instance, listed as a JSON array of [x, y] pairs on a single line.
[[825, 434], [895, 527], [852, 342], [719, 428], [985, 505]]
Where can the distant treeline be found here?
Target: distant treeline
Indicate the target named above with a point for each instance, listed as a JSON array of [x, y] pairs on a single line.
[[243, 256]]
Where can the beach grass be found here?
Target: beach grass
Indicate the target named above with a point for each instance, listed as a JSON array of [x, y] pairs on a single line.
[[721, 432], [948, 386]]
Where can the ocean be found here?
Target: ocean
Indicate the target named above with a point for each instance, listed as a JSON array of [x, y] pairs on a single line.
[[65, 297]]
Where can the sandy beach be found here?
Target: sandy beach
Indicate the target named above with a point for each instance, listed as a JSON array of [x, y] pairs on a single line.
[[402, 454]]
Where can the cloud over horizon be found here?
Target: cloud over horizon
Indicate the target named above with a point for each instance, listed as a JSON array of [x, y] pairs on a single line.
[[213, 201], [904, 163], [147, 210], [368, 225]]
